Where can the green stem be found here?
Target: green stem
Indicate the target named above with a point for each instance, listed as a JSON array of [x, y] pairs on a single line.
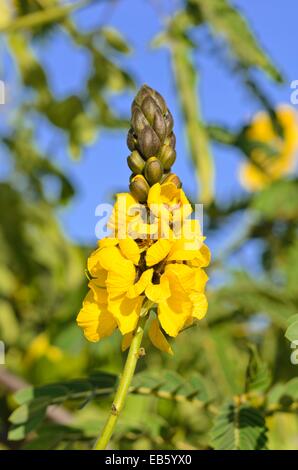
[[123, 388]]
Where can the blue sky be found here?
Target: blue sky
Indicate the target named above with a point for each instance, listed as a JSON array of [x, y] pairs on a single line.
[[102, 168]]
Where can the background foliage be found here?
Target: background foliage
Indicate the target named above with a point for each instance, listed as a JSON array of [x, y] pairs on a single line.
[[230, 384]]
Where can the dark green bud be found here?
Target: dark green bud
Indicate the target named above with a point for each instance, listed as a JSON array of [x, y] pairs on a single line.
[[171, 140], [160, 101], [135, 162], [144, 91], [172, 178], [169, 122], [131, 140], [151, 141], [149, 109], [139, 188], [159, 125], [167, 156], [138, 120], [153, 170], [148, 142]]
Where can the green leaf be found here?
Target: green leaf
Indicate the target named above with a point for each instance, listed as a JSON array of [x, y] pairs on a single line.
[[292, 330], [283, 397], [49, 15], [228, 23], [171, 386], [115, 40], [239, 427], [258, 377]]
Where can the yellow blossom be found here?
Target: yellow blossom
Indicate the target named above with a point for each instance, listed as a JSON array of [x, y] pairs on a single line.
[[168, 272], [269, 168]]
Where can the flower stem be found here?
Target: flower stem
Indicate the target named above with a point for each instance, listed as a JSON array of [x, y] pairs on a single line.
[[123, 388]]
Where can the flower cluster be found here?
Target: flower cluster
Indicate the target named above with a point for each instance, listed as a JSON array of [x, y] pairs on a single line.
[[263, 169], [151, 264]]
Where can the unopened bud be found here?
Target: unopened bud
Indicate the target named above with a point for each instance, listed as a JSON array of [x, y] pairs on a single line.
[[167, 156], [159, 125], [144, 91], [148, 142], [139, 188], [172, 178], [138, 120], [171, 140], [160, 101], [149, 108], [131, 140], [153, 170], [169, 121], [135, 162]]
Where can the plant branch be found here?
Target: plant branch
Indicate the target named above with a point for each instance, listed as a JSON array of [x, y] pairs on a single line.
[[123, 388]]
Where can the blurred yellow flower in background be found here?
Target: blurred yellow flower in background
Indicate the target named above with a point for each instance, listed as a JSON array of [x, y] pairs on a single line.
[[269, 168], [41, 347]]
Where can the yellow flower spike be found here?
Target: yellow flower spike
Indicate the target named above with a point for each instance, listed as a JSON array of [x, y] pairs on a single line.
[[154, 256], [267, 168], [130, 250], [158, 339]]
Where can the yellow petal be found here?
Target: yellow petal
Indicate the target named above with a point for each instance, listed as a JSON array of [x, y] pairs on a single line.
[[119, 282], [126, 341], [107, 241], [200, 305], [100, 293], [111, 259], [158, 251], [93, 265], [158, 339], [130, 250], [95, 320], [173, 312], [126, 312], [158, 292], [181, 277], [139, 287]]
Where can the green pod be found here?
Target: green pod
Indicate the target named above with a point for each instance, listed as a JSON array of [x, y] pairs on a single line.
[[135, 162], [139, 188], [167, 156], [172, 178], [148, 142], [153, 170]]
